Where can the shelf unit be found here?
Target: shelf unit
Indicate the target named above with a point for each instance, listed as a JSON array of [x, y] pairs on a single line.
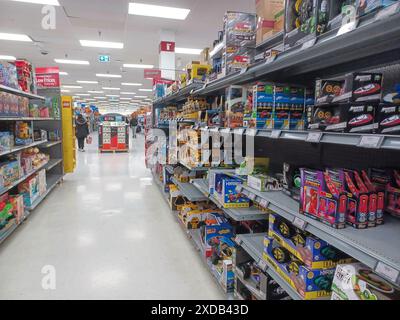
[[21, 93], [52, 181], [20, 148], [189, 191]]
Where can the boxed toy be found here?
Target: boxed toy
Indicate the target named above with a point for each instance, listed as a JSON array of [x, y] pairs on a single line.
[[6, 141], [227, 278], [322, 197], [332, 14], [29, 189], [270, 15], [23, 107], [297, 108], [367, 6], [358, 282], [240, 29], [353, 118], [23, 133], [388, 117], [264, 182], [225, 188], [377, 196], [281, 113], [236, 59], [18, 209], [292, 181], [311, 251], [10, 171], [263, 105], [309, 283], [42, 183], [8, 75], [393, 195], [236, 99]]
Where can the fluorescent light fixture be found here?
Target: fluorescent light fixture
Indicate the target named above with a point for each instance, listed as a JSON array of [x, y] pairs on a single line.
[[8, 58], [45, 2], [125, 98], [63, 73], [65, 91], [72, 87], [107, 75], [146, 90], [15, 37], [128, 93], [111, 88], [148, 10], [138, 66], [83, 94], [100, 98], [95, 91], [88, 82], [69, 61], [90, 99], [101, 44], [112, 95], [188, 51], [131, 84], [141, 97]]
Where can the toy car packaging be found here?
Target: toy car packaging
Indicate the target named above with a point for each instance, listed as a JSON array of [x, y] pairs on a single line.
[[263, 105], [366, 6], [388, 118], [225, 188], [236, 99], [309, 283], [282, 108], [393, 195], [358, 282], [297, 109], [264, 182], [377, 195], [236, 59], [311, 251], [240, 29], [323, 197]]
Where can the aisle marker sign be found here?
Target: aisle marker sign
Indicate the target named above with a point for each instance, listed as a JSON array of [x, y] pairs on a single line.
[[387, 271], [104, 58], [264, 203], [299, 223], [275, 134], [314, 137]]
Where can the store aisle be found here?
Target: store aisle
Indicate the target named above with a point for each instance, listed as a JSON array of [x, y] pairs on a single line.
[[109, 235]]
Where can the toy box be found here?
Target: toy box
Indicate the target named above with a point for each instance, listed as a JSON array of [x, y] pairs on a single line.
[[311, 251], [34, 110], [225, 188], [358, 282], [393, 195], [309, 283], [236, 58], [263, 105], [23, 133], [388, 117], [240, 29], [297, 109], [29, 189], [10, 172], [332, 14], [353, 118], [18, 207], [6, 213], [42, 183], [236, 99], [377, 196], [263, 182], [8, 75], [270, 15], [227, 277], [367, 6], [291, 180], [281, 114], [6, 141], [322, 199], [23, 107]]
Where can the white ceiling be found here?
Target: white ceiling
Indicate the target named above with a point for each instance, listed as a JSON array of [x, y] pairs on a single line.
[[84, 19]]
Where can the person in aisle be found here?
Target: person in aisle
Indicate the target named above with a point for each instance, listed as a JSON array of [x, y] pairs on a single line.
[[134, 124], [82, 132]]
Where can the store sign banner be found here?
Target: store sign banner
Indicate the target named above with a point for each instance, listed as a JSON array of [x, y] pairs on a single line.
[[167, 46], [152, 73], [48, 77]]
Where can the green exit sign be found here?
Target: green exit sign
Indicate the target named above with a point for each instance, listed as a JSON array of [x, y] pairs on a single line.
[[104, 58]]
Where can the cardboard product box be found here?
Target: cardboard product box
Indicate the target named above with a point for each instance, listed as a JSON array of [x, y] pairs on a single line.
[[236, 99], [42, 183], [297, 113], [269, 18], [227, 279], [292, 180], [263, 182], [6, 141], [8, 75], [237, 58], [263, 105], [29, 189], [358, 282], [366, 6], [10, 171], [281, 114], [314, 253], [393, 195], [240, 29], [388, 118], [18, 207], [225, 188], [309, 283]]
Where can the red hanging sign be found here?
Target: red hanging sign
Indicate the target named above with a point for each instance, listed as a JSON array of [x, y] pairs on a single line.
[[152, 73], [48, 77], [167, 46]]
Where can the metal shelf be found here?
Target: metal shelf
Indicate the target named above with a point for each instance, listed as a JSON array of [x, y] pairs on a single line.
[[51, 144], [375, 247], [21, 93], [26, 119], [189, 191], [271, 42], [4, 234], [193, 169], [52, 181], [20, 148], [52, 163], [170, 169], [250, 284], [253, 244], [181, 95]]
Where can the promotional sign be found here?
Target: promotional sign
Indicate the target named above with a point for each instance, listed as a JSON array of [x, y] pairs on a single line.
[[48, 77], [167, 46], [152, 73]]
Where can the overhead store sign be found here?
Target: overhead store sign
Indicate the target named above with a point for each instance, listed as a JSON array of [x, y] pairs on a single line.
[[48, 77], [104, 58], [152, 73], [167, 46]]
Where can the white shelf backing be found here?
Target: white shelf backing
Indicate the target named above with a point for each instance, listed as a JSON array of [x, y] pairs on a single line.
[[378, 247], [253, 244], [237, 214], [52, 181], [21, 93], [20, 148], [189, 191]]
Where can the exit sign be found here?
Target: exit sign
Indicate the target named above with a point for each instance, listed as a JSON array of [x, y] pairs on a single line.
[[104, 58]]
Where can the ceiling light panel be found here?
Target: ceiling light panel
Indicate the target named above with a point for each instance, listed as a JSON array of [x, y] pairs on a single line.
[[87, 82], [72, 87], [8, 58], [15, 37], [148, 10], [45, 2], [138, 66], [69, 61], [131, 84], [188, 51], [107, 75], [111, 88], [63, 73], [128, 93], [95, 91], [101, 44], [146, 90]]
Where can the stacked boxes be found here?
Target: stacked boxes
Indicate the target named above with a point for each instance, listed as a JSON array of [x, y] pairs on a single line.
[[13, 106], [270, 16], [8, 75]]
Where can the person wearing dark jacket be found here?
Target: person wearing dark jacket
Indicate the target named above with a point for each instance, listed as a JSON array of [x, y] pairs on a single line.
[[82, 131], [134, 124]]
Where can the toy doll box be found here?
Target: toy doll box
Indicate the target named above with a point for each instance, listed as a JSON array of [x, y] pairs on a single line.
[[309, 283], [313, 252]]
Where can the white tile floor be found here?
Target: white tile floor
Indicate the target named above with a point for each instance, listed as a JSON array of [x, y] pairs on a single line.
[[109, 235]]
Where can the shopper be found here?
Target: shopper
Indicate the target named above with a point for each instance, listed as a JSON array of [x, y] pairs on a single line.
[[82, 131], [134, 124]]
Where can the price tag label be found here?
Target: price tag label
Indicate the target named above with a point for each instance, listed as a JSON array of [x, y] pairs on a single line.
[[215, 130], [238, 189], [308, 44], [275, 134], [371, 142], [314, 137], [270, 59], [239, 131], [252, 196], [263, 265], [226, 130], [386, 12], [251, 132], [299, 223], [238, 240], [244, 70], [347, 27], [387, 271], [264, 203]]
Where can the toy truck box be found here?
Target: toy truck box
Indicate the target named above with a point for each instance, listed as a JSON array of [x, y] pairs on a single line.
[[263, 105], [236, 59], [240, 29], [358, 282], [292, 180], [309, 283], [361, 210], [320, 199], [226, 192], [377, 195], [388, 118], [351, 118], [297, 109], [393, 195], [367, 6], [281, 114], [311, 251], [236, 99]]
